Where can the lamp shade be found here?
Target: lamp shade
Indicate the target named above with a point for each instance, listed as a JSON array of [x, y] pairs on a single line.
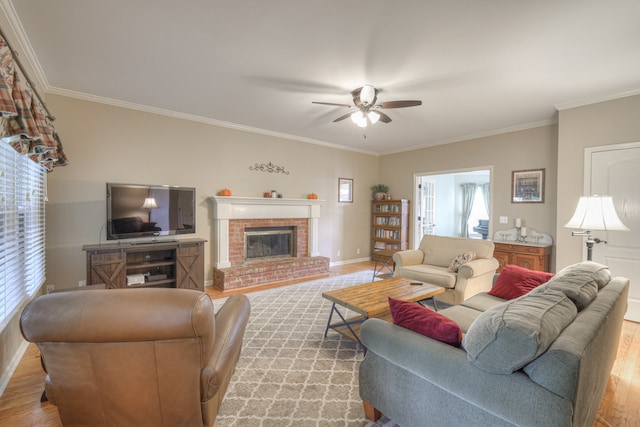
[[149, 203], [596, 213]]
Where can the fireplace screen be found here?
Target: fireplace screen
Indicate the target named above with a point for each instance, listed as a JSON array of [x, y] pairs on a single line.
[[269, 242]]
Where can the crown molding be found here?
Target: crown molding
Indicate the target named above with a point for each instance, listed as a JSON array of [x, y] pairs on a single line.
[[595, 100], [486, 134], [200, 119]]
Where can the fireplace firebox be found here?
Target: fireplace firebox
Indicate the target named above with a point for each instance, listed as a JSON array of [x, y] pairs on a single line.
[[269, 242]]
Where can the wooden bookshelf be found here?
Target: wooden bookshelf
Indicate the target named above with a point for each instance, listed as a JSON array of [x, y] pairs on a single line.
[[389, 226]]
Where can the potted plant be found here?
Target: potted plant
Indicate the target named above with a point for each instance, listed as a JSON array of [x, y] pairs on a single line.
[[380, 191]]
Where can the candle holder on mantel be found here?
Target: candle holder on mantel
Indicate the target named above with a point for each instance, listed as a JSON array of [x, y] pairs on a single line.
[[522, 234]]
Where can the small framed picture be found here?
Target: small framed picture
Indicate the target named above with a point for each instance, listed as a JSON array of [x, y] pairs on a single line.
[[345, 190], [527, 186]]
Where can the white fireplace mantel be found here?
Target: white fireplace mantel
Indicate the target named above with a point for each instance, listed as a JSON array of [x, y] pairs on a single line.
[[226, 208]]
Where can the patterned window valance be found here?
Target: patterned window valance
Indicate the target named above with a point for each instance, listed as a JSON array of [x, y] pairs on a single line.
[[25, 122]]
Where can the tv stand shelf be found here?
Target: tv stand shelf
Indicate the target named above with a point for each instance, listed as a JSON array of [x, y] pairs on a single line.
[[174, 264]]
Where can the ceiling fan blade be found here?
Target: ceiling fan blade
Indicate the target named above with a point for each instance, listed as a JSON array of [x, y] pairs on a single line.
[[332, 104], [383, 117], [399, 104], [344, 116]]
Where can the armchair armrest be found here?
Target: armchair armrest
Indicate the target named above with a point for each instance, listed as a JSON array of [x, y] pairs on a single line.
[[231, 321], [410, 257], [478, 267]]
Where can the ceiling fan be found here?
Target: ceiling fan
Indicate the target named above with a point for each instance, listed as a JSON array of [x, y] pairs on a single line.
[[364, 100]]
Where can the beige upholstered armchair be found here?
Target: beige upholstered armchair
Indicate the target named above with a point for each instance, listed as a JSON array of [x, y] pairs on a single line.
[[431, 263], [136, 356]]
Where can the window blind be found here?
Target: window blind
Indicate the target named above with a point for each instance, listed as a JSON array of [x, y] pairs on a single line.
[[22, 229]]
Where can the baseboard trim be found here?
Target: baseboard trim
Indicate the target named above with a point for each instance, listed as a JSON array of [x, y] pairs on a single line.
[[11, 368], [350, 261]]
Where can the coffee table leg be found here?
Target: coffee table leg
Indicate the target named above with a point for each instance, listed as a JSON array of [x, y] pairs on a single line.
[[346, 323], [333, 308]]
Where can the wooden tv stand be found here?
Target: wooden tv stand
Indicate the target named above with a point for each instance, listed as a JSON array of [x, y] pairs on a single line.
[[169, 264]]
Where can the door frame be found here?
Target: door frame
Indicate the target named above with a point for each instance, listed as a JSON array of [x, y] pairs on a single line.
[[588, 158], [413, 239]]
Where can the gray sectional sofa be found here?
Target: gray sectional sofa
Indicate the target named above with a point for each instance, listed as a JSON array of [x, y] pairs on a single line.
[[542, 359]]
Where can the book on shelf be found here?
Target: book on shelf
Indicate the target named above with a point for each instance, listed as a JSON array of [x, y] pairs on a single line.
[[387, 246]]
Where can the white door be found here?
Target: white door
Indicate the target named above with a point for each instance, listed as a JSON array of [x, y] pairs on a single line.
[[615, 171]]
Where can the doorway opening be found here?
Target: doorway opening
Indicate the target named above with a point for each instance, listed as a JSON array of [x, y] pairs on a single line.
[[453, 203]]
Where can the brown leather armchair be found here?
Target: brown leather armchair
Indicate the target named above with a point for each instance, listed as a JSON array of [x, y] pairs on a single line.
[[127, 357]]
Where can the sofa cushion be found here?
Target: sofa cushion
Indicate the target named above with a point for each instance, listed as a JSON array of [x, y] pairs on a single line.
[[439, 276], [506, 337], [515, 281], [581, 282], [425, 321], [440, 250], [460, 260], [463, 316], [482, 301]]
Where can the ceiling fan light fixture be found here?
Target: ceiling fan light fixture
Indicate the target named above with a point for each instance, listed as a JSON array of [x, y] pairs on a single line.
[[359, 118], [367, 94], [373, 117]]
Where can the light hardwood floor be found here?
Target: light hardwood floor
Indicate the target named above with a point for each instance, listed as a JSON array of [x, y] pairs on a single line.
[[20, 404]]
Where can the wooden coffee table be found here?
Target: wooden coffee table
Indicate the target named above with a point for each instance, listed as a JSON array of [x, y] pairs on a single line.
[[372, 300]]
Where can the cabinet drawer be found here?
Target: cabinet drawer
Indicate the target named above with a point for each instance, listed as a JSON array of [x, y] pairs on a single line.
[[506, 247]]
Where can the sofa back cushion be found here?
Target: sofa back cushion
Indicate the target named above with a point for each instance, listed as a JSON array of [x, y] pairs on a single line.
[[581, 282], [441, 250], [506, 337]]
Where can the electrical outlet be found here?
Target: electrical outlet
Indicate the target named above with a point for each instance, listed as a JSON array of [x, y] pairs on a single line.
[[504, 220], [50, 288], [339, 253], [358, 251], [82, 283]]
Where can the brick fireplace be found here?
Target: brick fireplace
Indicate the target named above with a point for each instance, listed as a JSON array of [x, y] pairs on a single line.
[[233, 216]]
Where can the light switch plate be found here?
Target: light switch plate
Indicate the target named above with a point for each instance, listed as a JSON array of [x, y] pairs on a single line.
[[504, 220]]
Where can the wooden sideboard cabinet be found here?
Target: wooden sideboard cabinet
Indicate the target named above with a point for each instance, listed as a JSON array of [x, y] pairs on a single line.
[[533, 257], [177, 264]]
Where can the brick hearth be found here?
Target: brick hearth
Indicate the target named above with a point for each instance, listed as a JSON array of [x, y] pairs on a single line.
[[264, 272]]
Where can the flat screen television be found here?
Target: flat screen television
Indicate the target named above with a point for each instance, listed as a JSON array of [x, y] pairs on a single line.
[[136, 210]]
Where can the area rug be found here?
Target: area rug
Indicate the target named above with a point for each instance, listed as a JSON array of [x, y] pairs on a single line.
[[289, 374]]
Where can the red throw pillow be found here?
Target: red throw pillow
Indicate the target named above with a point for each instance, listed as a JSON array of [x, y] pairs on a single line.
[[515, 281], [424, 321]]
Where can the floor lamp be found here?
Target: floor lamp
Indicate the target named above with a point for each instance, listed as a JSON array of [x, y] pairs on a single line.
[[595, 213]]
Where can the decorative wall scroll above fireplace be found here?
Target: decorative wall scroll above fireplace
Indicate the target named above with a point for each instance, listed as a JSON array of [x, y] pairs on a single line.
[[269, 167]]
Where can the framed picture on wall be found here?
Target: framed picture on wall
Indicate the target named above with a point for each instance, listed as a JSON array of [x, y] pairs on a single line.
[[527, 186], [345, 190]]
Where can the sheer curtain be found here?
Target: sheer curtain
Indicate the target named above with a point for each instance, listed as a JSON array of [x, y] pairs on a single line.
[[468, 194], [485, 195]]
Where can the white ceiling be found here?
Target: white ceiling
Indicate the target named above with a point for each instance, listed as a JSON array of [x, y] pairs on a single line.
[[479, 66]]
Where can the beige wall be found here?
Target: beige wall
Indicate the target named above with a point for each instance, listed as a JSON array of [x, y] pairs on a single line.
[[528, 149], [111, 144], [605, 123]]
